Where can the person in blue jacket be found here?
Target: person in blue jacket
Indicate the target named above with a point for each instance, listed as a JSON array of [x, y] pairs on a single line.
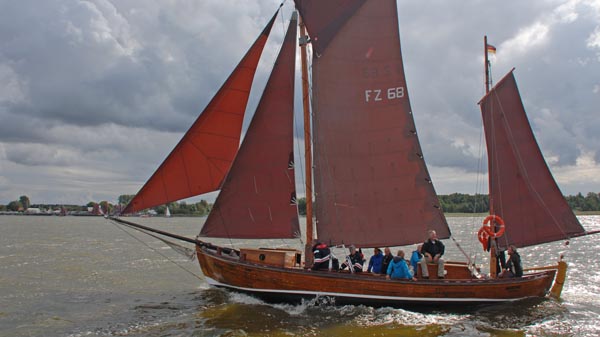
[[415, 258], [398, 268], [375, 262]]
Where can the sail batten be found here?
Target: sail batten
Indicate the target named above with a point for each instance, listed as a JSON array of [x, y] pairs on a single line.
[[522, 189], [203, 156], [254, 202], [372, 186]]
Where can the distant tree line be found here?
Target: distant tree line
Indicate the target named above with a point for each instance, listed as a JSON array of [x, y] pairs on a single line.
[[21, 204], [464, 203], [181, 208], [480, 203], [451, 203], [591, 202]]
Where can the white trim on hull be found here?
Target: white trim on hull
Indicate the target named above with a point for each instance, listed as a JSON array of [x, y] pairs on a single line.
[[215, 283]]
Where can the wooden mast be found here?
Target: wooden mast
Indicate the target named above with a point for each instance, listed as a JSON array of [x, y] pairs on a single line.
[[486, 65], [308, 258], [493, 244]]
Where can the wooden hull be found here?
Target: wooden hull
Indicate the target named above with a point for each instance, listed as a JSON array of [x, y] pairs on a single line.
[[291, 284]]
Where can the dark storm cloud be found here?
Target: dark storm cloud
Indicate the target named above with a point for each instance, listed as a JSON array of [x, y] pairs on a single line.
[[104, 89]]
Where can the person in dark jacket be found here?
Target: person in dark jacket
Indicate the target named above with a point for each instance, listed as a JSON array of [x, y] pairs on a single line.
[[322, 257], [387, 258], [513, 266], [355, 259], [398, 268], [432, 250], [375, 262]]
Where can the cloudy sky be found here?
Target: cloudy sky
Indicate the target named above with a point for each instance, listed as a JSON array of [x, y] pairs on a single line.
[[95, 93]]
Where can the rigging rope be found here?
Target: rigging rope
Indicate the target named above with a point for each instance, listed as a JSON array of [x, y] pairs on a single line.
[[180, 249], [461, 250], [473, 246]]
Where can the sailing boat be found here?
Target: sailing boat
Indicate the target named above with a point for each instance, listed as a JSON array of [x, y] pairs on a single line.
[[167, 212], [372, 186]]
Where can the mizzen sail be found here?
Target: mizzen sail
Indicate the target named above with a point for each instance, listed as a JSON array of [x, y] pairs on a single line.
[[372, 187], [257, 199], [203, 156], [522, 189]]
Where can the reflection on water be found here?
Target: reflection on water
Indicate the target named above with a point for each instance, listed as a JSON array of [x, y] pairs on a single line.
[[85, 277]]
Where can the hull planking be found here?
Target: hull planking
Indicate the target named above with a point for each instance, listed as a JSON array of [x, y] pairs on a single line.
[[277, 284]]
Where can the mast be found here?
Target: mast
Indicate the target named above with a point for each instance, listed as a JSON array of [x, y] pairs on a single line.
[[493, 243], [308, 259]]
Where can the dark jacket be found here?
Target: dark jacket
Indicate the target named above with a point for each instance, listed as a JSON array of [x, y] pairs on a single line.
[[356, 260], [322, 255], [398, 269], [375, 263], [386, 262], [514, 264], [433, 247]]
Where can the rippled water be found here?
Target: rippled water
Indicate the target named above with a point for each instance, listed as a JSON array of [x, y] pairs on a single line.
[[84, 276]]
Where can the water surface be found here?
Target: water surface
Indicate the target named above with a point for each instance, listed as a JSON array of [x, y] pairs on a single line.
[[84, 276]]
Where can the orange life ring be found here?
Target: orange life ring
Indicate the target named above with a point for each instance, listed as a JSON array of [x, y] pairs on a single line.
[[498, 220], [486, 231]]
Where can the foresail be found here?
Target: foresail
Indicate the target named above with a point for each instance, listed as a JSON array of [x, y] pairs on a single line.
[[522, 189], [203, 156], [258, 198], [371, 181]]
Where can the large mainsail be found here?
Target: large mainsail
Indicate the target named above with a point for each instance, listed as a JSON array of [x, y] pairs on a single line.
[[372, 187], [203, 156], [324, 18], [257, 199], [522, 189]]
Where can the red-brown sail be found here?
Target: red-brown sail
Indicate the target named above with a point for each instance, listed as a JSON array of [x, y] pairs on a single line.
[[324, 18], [522, 189], [257, 199], [371, 182], [203, 156]]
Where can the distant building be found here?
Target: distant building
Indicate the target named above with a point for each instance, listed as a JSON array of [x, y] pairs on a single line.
[[32, 210]]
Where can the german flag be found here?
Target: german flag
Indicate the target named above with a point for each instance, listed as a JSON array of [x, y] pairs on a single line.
[[491, 49]]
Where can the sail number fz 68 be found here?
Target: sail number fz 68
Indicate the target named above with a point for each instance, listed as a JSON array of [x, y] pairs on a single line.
[[378, 95]]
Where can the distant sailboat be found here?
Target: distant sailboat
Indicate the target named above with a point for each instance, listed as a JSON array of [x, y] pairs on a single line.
[[167, 212], [372, 186]]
